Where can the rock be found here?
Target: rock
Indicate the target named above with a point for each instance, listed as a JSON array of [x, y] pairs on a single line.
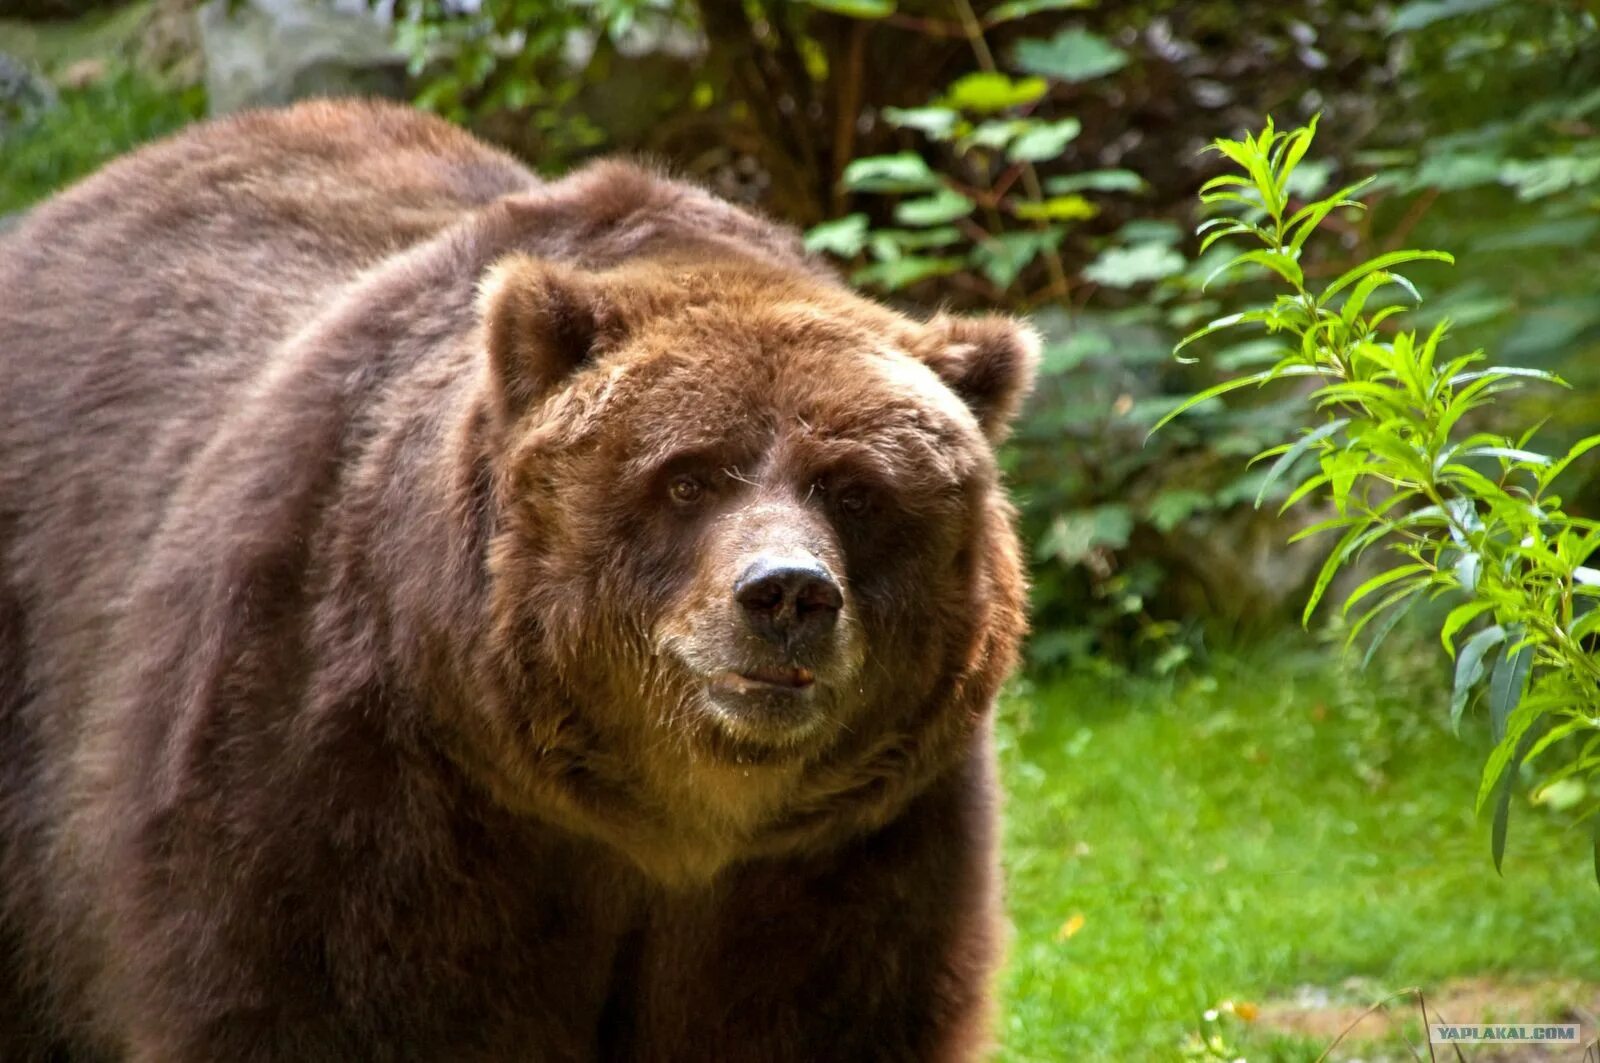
[[23, 93], [269, 52]]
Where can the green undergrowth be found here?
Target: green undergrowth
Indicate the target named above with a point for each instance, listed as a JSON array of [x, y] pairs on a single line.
[[1278, 821], [87, 127]]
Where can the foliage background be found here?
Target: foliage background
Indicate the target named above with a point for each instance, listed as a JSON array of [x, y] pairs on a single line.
[[1043, 156], [1476, 116]]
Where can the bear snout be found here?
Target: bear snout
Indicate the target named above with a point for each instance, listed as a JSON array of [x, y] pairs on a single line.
[[791, 603]]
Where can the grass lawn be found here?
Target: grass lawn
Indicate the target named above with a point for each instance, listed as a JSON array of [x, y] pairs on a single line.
[[1277, 822]]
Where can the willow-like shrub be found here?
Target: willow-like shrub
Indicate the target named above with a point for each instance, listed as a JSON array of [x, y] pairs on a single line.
[[1449, 510]]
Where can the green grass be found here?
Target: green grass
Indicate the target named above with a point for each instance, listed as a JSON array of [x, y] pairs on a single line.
[[89, 127], [1277, 822]]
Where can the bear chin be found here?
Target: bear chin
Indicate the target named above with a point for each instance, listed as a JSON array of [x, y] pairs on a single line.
[[766, 726]]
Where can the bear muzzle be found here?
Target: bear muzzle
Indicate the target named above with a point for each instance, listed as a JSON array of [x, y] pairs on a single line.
[[792, 603]]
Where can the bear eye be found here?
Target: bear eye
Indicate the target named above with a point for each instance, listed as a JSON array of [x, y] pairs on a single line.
[[686, 489], [845, 496], [853, 500]]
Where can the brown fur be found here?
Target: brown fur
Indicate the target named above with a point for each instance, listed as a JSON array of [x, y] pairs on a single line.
[[353, 648]]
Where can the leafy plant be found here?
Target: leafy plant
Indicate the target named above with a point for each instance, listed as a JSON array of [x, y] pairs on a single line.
[[985, 219], [975, 209], [520, 57], [1447, 508], [1490, 142]]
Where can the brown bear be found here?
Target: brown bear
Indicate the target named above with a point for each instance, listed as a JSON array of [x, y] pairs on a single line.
[[450, 616]]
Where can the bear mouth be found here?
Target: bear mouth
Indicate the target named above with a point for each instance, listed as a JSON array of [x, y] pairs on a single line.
[[758, 679], [775, 709]]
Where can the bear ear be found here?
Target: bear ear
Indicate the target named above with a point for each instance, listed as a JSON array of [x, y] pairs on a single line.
[[989, 362], [542, 322]]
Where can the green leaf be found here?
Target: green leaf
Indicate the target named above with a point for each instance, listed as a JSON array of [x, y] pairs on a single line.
[[1508, 453], [1075, 535], [1234, 228], [1502, 813], [1382, 262], [1460, 617], [1453, 171], [1385, 626], [1499, 372], [940, 208], [1150, 231], [1521, 720], [1594, 837], [1169, 509], [1044, 140], [1311, 215], [936, 122], [1280, 263], [1096, 181], [1556, 734], [1419, 13], [1330, 524], [903, 272], [1469, 669], [1308, 486], [1293, 453], [892, 243], [1227, 321], [905, 172], [1010, 12], [1249, 156], [1056, 208], [1330, 567], [987, 92], [1406, 594], [1254, 379], [1538, 178], [1577, 450], [1506, 684], [1249, 354], [994, 133], [1071, 55], [1227, 180], [843, 237], [1381, 580], [1080, 344], [1124, 267], [1295, 149], [1568, 231], [855, 8], [1358, 298], [1561, 794], [1003, 258], [1342, 467]]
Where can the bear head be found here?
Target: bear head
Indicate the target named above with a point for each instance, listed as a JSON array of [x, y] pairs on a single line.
[[752, 577]]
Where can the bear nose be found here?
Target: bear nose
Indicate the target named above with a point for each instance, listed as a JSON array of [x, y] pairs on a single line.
[[787, 602]]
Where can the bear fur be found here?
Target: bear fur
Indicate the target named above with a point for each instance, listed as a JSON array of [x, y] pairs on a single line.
[[371, 686]]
